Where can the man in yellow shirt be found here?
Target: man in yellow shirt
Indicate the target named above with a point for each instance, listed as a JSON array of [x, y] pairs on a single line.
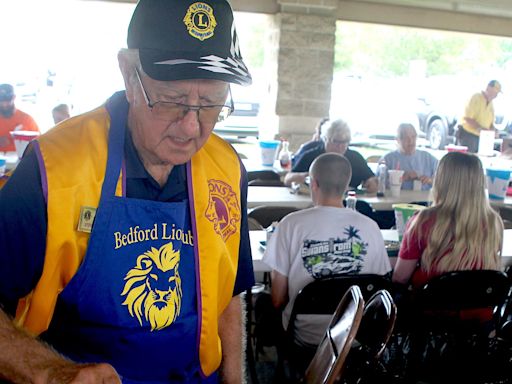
[[478, 116]]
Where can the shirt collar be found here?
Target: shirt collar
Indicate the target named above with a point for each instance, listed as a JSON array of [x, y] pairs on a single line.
[[135, 168]]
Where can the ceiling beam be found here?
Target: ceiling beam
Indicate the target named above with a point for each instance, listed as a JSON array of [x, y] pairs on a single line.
[[370, 12], [494, 21]]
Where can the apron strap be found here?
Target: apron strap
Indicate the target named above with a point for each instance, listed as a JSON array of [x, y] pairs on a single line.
[[117, 107]]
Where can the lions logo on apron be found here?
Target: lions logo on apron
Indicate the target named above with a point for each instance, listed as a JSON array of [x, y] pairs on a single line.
[[153, 287], [223, 209]]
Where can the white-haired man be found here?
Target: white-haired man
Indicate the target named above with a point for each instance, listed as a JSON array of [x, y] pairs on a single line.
[[123, 235], [417, 164], [336, 139]]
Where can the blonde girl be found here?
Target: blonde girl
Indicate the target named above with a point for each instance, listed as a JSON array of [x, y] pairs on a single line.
[[459, 232]]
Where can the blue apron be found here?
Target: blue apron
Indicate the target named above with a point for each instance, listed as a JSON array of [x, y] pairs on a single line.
[[132, 302]]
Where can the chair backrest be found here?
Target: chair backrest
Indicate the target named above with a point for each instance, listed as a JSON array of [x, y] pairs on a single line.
[[322, 296], [263, 175], [266, 214], [460, 290], [377, 324], [328, 362], [266, 183], [373, 158], [254, 224]]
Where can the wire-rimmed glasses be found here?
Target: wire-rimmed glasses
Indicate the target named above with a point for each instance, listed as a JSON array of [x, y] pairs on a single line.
[[171, 111]]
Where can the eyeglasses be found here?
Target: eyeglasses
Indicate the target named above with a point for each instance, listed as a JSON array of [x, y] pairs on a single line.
[[170, 111], [338, 142]]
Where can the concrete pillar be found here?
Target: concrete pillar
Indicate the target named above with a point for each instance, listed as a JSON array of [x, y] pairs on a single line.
[[299, 62]]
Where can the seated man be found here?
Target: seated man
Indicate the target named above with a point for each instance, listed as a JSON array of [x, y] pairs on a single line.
[[322, 241], [416, 164], [335, 138], [12, 119]]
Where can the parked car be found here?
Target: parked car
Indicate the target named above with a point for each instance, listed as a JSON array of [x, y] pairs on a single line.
[[437, 122], [244, 121]]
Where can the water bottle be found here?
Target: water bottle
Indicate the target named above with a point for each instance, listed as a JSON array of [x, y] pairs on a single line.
[[383, 171], [351, 200], [285, 156]]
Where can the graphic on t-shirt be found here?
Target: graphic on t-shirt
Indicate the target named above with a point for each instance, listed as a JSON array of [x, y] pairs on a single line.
[[153, 287], [334, 256]]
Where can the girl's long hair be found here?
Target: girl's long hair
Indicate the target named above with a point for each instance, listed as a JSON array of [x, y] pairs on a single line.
[[466, 232]]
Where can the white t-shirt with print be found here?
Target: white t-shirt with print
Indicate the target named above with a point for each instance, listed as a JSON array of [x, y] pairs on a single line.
[[320, 242]]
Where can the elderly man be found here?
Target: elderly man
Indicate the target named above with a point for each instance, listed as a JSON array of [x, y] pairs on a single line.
[[478, 116], [417, 164], [335, 138], [322, 241], [12, 119], [123, 233]]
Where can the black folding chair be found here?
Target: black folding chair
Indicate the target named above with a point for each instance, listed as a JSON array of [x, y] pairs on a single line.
[[264, 178], [455, 318], [321, 297], [364, 363], [265, 215], [329, 359]]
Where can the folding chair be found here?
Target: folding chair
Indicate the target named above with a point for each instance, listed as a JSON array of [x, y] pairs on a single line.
[[264, 178], [266, 214], [377, 325], [374, 333], [456, 315], [321, 297], [329, 359]]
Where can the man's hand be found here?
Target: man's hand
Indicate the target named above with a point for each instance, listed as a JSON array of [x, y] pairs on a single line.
[[410, 175], [425, 180], [25, 359], [81, 374], [295, 177]]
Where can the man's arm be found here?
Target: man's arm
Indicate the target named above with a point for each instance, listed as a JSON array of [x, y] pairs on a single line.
[[26, 360], [473, 123], [279, 289], [297, 177], [232, 341], [371, 184]]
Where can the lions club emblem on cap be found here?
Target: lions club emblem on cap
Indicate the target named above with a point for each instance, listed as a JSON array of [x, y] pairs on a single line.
[[223, 210], [200, 21]]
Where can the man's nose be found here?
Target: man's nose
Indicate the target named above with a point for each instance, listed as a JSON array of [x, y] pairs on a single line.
[[190, 123]]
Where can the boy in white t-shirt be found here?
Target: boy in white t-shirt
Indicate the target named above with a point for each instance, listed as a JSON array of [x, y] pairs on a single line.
[[322, 241]]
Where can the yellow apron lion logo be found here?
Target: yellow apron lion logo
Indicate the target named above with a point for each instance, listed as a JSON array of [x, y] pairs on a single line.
[[153, 287]]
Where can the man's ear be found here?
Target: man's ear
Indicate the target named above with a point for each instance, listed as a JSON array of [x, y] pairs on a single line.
[[127, 72]]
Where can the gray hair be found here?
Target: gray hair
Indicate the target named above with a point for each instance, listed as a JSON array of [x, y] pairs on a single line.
[[334, 127], [402, 128], [131, 57]]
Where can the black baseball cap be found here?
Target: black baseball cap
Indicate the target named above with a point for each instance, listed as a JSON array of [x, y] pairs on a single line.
[[183, 39], [6, 92]]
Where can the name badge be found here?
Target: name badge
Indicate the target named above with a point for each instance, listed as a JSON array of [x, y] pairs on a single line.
[[87, 215]]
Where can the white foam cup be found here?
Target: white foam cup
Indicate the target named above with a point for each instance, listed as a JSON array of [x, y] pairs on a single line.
[[21, 140], [395, 190], [497, 183], [395, 176], [268, 152]]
